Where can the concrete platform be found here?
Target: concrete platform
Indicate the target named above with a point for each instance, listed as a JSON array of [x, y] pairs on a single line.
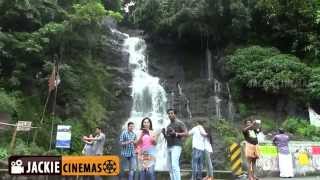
[[164, 175]]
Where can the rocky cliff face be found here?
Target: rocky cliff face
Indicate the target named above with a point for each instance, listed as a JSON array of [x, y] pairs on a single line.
[[118, 66], [193, 89], [196, 84]]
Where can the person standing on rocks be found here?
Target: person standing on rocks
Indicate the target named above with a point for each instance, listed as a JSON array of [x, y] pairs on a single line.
[[174, 133]]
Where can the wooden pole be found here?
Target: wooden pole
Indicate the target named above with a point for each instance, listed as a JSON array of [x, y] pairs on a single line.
[[42, 117], [54, 108], [13, 140], [47, 100]]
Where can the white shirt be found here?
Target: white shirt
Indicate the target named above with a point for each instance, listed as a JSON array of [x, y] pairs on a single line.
[[207, 146], [198, 140]]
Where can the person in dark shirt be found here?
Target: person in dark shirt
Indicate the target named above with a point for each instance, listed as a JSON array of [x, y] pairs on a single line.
[[173, 134], [250, 132]]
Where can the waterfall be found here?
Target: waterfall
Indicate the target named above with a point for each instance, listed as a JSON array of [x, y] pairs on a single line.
[[149, 97], [230, 104], [171, 103], [186, 100], [188, 109], [216, 84], [179, 89], [218, 109], [209, 61], [217, 99]]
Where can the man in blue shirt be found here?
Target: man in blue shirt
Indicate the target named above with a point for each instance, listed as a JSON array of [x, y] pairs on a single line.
[[127, 141]]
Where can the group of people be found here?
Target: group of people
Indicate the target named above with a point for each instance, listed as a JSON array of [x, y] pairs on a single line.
[[94, 144], [138, 151], [252, 153]]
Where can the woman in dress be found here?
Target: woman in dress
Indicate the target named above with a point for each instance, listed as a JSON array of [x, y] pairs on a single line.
[[146, 143]]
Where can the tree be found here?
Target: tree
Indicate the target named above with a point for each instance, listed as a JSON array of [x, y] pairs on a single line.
[[33, 34], [269, 70], [314, 84], [215, 20], [289, 25]]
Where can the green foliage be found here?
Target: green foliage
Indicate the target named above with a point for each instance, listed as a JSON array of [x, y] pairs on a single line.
[[318, 17], [226, 130], [292, 26], [22, 148], [302, 128], [187, 150], [268, 125], [113, 5], [8, 103], [35, 33], [94, 112], [267, 69], [293, 23], [314, 84], [116, 15], [195, 18], [147, 14], [3, 153], [243, 109], [88, 13]]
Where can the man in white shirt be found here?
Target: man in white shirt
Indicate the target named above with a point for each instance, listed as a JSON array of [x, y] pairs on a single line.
[[198, 146]]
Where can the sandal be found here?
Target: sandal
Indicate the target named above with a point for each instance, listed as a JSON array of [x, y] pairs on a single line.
[[205, 178]]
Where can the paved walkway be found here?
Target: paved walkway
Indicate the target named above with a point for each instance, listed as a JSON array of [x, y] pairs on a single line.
[[295, 178]]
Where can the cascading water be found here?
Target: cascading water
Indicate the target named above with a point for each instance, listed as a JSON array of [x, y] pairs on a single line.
[[209, 64], [230, 104], [149, 97], [216, 84], [217, 99]]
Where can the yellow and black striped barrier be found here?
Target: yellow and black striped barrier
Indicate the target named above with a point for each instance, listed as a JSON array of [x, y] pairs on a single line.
[[235, 158]]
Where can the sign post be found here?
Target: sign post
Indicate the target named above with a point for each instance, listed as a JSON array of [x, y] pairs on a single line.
[[63, 138], [19, 126], [24, 125]]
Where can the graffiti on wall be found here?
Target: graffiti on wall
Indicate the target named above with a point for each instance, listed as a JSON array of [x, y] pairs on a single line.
[[268, 160], [305, 157]]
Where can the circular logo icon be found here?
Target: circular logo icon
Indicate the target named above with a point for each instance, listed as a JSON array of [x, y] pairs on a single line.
[[109, 166]]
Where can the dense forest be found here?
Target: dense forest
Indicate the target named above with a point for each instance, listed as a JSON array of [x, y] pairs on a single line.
[[282, 37], [34, 34], [271, 46]]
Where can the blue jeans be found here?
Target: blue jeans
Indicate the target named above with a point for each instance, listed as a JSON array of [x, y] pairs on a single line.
[[197, 164], [173, 162], [130, 164], [148, 174]]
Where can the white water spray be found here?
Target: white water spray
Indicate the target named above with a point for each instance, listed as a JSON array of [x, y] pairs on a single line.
[[149, 97]]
